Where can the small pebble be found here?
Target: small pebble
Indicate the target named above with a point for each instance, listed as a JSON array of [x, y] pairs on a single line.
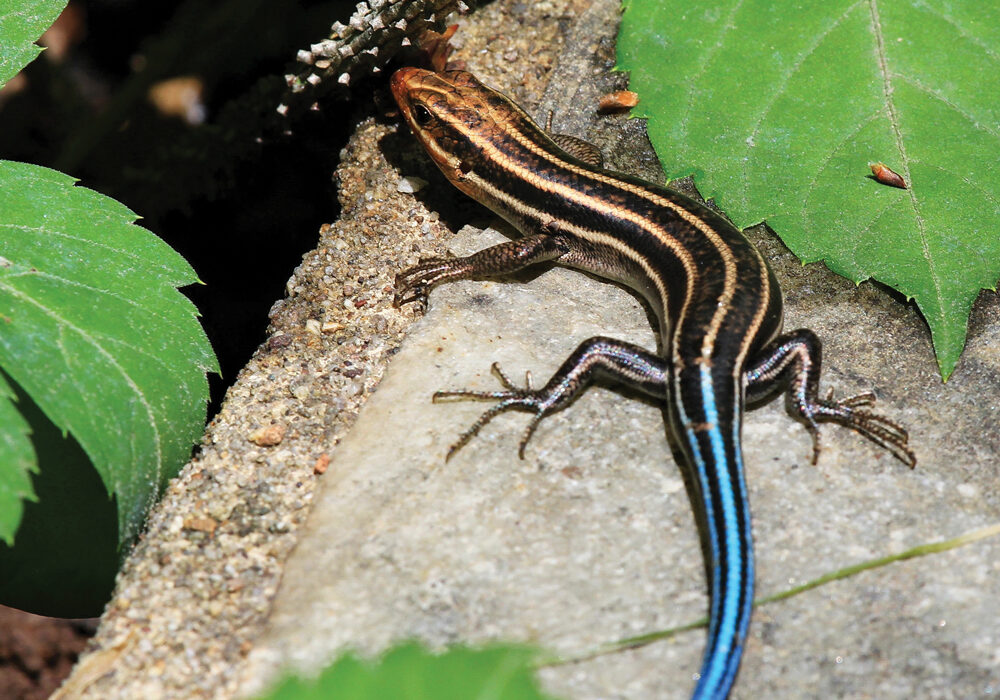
[[410, 184], [322, 463], [269, 436]]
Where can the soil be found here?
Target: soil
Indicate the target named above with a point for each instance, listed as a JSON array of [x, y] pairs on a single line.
[[37, 653]]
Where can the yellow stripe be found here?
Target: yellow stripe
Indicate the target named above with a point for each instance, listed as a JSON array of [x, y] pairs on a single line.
[[536, 142], [725, 253], [682, 253]]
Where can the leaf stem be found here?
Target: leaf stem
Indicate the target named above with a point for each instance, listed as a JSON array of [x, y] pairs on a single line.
[[846, 572]]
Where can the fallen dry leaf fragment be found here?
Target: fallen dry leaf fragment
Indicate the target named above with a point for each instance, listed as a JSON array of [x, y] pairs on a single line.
[[619, 101]]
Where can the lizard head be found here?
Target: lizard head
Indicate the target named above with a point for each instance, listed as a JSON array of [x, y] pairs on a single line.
[[455, 117]]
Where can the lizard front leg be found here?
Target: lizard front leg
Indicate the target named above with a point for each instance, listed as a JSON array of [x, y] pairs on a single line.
[[415, 283], [594, 358]]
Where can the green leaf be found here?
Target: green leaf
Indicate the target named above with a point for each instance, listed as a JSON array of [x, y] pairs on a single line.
[[21, 23], [410, 672], [17, 460], [102, 371], [93, 328], [66, 553], [778, 107]]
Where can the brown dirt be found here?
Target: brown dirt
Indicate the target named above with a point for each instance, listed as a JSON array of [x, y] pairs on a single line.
[[37, 653]]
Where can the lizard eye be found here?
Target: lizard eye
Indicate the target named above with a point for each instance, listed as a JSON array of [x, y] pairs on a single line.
[[421, 115]]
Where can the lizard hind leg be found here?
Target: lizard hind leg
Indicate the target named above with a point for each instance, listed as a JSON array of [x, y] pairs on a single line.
[[794, 360]]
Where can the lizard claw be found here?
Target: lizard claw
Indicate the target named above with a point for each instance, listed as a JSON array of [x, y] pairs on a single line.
[[877, 428], [512, 397], [415, 283]]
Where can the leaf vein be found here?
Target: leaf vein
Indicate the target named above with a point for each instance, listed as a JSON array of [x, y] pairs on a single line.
[[695, 79], [86, 241], [976, 124], [97, 291], [962, 32], [782, 84], [141, 397], [887, 75], [817, 173], [985, 193], [153, 357], [878, 215]]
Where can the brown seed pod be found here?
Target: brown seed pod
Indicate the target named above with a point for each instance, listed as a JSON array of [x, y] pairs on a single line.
[[887, 176]]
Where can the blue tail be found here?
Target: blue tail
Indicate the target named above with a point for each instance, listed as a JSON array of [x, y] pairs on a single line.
[[710, 413]]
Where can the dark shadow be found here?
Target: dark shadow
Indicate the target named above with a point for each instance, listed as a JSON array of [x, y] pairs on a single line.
[[65, 552]]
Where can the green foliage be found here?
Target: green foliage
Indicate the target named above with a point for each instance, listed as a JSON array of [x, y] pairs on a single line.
[[778, 107], [96, 333], [21, 22], [17, 459], [410, 672], [98, 351]]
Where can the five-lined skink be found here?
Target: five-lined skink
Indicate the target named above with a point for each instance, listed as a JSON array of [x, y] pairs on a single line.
[[718, 304]]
